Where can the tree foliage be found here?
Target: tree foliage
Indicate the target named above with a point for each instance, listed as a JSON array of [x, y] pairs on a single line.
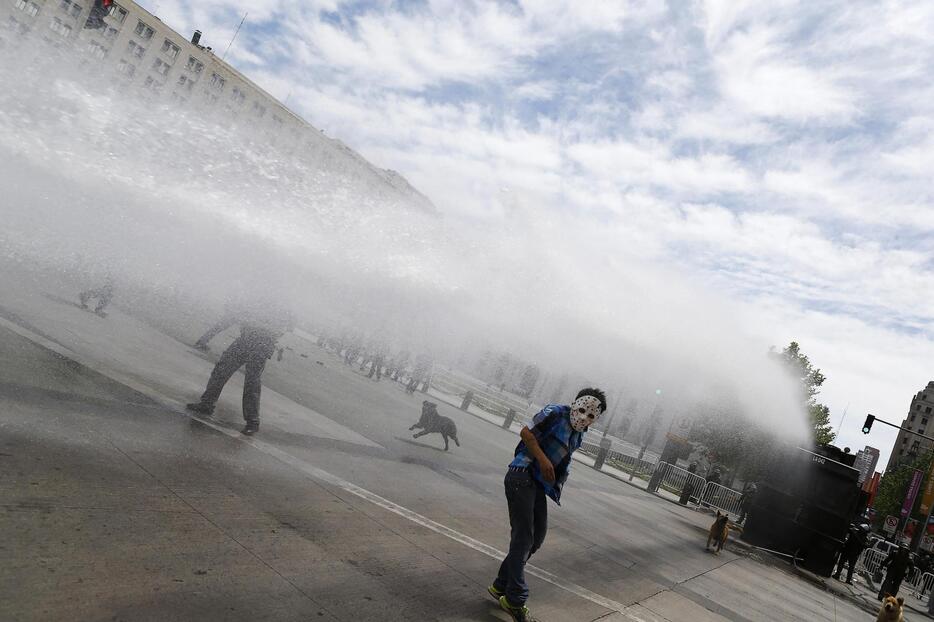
[[894, 486], [811, 380], [735, 440]]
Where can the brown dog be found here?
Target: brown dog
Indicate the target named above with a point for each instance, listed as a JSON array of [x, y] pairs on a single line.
[[719, 531], [891, 610]]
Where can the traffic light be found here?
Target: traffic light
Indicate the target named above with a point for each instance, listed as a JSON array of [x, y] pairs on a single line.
[[870, 419]]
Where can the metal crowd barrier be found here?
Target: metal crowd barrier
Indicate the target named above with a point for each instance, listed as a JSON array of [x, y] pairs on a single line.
[[870, 560], [676, 480], [472, 391], [630, 464], [721, 498], [921, 584]]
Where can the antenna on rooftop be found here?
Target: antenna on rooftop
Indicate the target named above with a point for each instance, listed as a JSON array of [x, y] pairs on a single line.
[[234, 38]]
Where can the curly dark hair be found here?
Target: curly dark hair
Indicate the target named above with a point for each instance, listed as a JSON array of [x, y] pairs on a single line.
[[597, 393]]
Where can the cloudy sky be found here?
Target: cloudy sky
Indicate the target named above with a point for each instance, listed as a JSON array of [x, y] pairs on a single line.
[[779, 153]]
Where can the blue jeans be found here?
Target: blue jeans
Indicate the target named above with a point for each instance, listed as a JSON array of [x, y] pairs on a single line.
[[528, 520]]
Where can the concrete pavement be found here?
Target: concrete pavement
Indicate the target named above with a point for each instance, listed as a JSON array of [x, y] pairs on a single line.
[[118, 506]]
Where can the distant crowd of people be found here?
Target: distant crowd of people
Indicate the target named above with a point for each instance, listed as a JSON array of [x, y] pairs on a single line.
[[377, 360]]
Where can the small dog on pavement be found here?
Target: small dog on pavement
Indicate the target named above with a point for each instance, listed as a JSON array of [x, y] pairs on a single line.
[[719, 531], [431, 422], [891, 610]]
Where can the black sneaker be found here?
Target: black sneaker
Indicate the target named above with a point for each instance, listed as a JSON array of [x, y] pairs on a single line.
[[251, 428], [200, 408]]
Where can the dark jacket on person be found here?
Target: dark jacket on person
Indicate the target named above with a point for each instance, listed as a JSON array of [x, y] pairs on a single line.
[[898, 564], [855, 542]]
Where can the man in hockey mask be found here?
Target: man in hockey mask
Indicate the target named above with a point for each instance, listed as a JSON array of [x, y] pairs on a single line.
[[538, 470]]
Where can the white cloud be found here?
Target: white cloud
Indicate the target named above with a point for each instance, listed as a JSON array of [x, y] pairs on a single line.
[[778, 152]]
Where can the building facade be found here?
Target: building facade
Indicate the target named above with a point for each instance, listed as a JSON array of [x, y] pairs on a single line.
[[144, 54], [920, 418], [866, 461]]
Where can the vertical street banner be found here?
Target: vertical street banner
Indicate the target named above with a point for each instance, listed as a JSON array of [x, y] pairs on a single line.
[[872, 487], [928, 498], [913, 489]]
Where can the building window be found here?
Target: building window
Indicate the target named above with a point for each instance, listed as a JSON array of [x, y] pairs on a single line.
[[238, 96], [217, 82], [72, 9], [117, 12], [143, 31], [186, 82], [59, 27], [97, 50], [152, 84], [927, 410], [904, 441], [126, 68], [194, 65], [110, 32], [161, 67], [170, 49], [258, 110], [29, 8], [17, 26], [135, 49]]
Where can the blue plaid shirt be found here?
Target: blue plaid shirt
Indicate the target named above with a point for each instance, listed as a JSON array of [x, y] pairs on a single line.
[[553, 431]]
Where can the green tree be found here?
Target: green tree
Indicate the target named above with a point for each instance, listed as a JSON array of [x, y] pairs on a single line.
[[811, 380], [894, 486]]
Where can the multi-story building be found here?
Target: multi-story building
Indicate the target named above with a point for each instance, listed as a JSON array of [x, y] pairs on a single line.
[[865, 463], [920, 418], [144, 54]]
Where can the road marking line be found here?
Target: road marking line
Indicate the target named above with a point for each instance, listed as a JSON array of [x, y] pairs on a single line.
[[320, 474]]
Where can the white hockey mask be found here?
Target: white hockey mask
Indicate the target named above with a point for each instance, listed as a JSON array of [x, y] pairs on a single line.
[[584, 411]]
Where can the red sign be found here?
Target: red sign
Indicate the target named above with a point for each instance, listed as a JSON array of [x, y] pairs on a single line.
[[913, 489], [872, 486]]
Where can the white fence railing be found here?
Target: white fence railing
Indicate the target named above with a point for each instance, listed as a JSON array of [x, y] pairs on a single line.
[[920, 584], [677, 480], [631, 464], [721, 498]]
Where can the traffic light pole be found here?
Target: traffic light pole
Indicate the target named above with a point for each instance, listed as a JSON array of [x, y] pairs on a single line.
[[897, 427]]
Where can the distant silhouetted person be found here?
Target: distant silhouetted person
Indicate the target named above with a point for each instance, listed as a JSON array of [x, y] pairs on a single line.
[[104, 294], [746, 501], [255, 345], [421, 375], [898, 565], [376, 365], [856, 541]]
